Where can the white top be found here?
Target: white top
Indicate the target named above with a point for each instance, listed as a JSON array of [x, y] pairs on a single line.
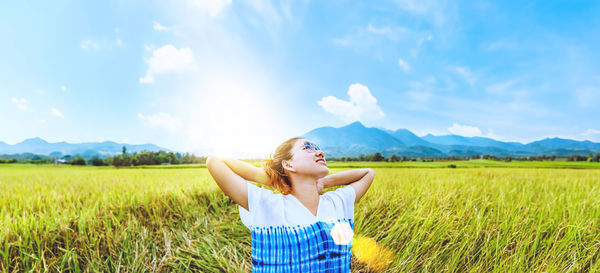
[[269, 209]]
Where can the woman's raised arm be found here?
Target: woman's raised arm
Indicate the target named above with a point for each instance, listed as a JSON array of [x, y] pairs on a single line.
[[231, 175], [359, 179]]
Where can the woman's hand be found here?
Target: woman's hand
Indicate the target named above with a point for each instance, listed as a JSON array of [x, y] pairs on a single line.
[[320, 186]]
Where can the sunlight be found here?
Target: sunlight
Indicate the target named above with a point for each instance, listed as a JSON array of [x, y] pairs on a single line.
[[367, 251], [238, 122]]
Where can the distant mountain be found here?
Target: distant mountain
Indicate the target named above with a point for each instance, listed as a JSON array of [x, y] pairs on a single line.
[[356, 139], [352, 139], [560, 143], [87, 149], [408, 138], [454, 140]]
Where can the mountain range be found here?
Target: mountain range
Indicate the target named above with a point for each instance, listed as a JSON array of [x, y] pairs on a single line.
[[348, 141], [355, 139], [39, 146]]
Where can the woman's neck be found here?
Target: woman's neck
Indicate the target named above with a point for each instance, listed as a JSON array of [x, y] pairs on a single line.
[[305, 190]]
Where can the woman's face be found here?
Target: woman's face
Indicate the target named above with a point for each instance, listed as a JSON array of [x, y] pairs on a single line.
[[307, 160]]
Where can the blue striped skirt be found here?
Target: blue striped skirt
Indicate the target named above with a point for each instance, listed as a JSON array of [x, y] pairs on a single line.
[[299, 249]]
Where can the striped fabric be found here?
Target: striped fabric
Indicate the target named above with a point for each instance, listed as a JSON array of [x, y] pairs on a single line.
[[287, 237], [299, 249]]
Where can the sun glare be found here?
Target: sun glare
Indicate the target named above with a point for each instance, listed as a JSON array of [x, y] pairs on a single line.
[[238, 122]]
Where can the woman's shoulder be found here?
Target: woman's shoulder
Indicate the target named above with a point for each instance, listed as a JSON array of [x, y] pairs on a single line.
[[342, 201], [346, 192]]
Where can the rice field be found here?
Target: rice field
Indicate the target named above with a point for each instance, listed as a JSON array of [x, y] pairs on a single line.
[[416, 219]]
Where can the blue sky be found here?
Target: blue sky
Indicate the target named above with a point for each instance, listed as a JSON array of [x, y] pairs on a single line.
[[238, 77]]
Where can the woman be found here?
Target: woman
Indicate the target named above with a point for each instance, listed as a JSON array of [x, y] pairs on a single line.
[[297, 230]]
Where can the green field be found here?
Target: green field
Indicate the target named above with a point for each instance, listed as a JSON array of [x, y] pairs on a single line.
[[478, 163], [478, 217]]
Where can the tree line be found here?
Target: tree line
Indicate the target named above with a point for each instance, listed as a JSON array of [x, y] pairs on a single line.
[[122, 160], [162, 157], [378, 157]]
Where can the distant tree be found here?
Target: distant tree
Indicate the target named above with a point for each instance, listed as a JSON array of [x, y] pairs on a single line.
[[508, 159], [78, 160], [2, 161], [108, 161], [173, 158], [394, 158], [121, 160], [378, 157], [96, 161], [144, 158], [12, 160], [126, 161], [404, 158], [162, 157], [124, 150]]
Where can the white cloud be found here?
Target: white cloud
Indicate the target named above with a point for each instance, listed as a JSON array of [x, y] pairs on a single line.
[[56, 112], [466, 74], [89, 44], [158, 27], [382, 31], [464, 130], [361, 106], [118, 42], [63, 88], [591, 132], [379, 37], [424, 38], [392, 33], [508, 88], [403, 65], [163, 120], [21, 103], [500, 88], [212, 7], [428, 37], [168, 59], [440, 13]]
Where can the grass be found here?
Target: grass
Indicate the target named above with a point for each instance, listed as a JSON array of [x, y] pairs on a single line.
[[492, 219], [476, 163]]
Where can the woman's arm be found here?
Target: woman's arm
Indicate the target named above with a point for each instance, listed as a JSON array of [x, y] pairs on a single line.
[[231, 175], [359, 179]]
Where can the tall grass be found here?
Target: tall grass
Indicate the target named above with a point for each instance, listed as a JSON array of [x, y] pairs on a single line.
[[87, 219]]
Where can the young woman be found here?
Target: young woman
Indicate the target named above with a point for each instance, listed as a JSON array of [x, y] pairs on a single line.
[[299, 229]]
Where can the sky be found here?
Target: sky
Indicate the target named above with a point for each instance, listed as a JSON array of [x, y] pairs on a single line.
[[239, 77]]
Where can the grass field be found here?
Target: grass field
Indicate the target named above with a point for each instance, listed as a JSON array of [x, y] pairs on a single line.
[[534, 218], [478, 163]]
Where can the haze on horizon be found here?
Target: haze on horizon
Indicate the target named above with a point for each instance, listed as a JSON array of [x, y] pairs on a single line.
[[241, 76]]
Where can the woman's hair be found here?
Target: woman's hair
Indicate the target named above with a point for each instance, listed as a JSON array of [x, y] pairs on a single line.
[[274, 168]]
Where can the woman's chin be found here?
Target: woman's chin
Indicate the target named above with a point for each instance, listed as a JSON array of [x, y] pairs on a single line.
[[324, 172]]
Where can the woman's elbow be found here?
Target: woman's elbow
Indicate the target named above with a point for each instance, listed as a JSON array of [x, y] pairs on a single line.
[[370, 172], [210, 160]]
